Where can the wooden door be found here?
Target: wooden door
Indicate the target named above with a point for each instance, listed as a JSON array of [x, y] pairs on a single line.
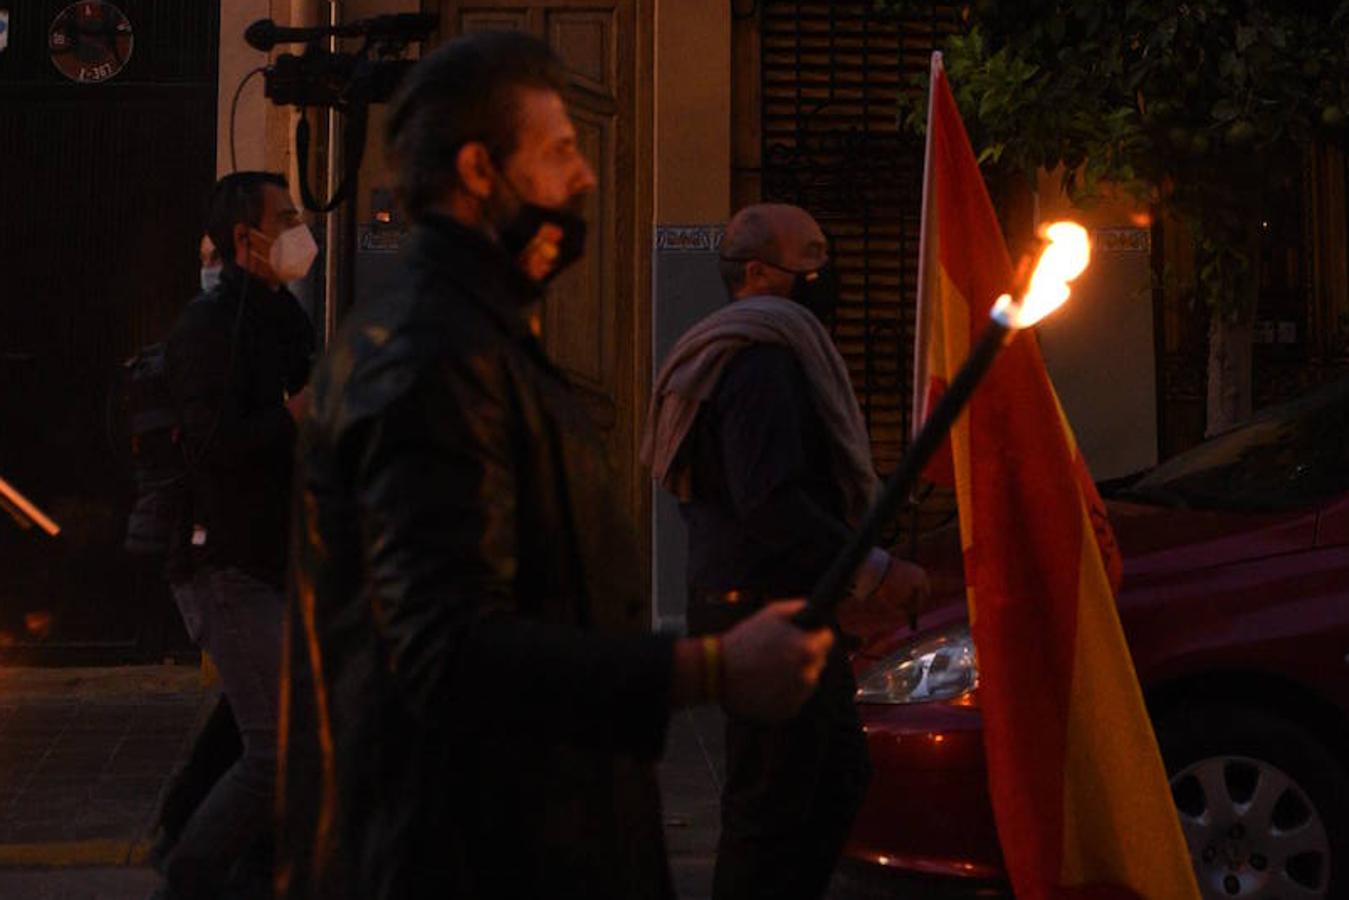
[[596, 319]]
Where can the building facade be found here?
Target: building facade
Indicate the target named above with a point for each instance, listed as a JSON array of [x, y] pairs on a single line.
[[688, 109]]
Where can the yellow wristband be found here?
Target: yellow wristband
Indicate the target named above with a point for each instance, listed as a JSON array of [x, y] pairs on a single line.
[[712, 668]]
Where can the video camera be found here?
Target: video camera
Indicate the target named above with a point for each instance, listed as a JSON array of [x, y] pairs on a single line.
[[345, 82], [323, 78]]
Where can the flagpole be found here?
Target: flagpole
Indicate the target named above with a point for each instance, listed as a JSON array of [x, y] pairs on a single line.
[[920, 326], [920, 331]]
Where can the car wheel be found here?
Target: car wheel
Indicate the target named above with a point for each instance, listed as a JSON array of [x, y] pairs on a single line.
[[1263, 804]]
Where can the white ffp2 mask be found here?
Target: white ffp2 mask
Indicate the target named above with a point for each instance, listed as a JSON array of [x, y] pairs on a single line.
[[293, 253], [210, 277]]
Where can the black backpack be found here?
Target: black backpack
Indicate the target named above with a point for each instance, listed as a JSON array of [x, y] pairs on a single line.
[[151, 430]]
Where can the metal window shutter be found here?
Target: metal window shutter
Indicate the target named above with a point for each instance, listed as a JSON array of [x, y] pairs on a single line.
[[831, 76]]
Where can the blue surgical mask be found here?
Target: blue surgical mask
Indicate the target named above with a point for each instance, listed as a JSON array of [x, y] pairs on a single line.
[[210, 277]]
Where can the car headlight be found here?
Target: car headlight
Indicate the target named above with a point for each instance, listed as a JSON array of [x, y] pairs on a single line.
[[932, 668]]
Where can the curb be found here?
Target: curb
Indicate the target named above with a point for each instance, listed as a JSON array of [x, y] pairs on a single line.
[[71, 854]]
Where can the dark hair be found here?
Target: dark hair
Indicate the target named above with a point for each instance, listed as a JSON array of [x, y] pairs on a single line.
[[466, 90], [237, 199]]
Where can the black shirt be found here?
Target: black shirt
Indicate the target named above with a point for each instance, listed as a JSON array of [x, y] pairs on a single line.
[[767, 514], [230, 372]]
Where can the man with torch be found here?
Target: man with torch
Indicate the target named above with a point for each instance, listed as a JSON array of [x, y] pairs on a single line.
[[754, 427], [471, 705]]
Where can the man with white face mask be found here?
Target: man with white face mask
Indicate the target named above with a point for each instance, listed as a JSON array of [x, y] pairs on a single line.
[[238, 364]]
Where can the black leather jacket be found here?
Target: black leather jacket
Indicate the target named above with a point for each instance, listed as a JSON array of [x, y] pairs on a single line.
[[469, 708]]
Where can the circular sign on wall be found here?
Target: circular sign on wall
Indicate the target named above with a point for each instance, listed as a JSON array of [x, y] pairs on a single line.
[[90, 41]]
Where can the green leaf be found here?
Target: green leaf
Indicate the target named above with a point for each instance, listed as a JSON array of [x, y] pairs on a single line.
[[991, 153], [1225, 110], [987, 104]]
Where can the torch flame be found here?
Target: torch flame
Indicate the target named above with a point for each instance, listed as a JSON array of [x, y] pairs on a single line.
[[1061, 262]]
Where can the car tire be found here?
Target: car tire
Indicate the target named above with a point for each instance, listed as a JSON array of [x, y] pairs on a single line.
[[1264, 803]]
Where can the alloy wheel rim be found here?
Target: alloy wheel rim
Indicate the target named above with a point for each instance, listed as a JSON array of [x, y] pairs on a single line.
[[1252, 831]]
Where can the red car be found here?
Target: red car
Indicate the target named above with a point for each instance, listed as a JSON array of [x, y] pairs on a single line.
[[1235, 602]]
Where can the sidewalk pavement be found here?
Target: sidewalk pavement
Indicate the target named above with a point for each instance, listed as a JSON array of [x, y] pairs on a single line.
[[691, 775], [85, 753]]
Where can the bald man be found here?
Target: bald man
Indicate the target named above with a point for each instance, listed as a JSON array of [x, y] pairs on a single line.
[[755, 428]]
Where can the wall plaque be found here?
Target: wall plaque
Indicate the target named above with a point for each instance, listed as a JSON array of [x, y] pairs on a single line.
[[90, 41]]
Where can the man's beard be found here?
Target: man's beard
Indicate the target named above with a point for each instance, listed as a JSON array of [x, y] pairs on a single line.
[[504, 204]]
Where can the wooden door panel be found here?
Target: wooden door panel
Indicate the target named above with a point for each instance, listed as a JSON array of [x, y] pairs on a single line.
[[584, 39], [473, 20], [580, 312], [591, 321]]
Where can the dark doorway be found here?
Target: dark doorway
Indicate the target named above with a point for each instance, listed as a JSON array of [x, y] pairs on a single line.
[[102, 188]]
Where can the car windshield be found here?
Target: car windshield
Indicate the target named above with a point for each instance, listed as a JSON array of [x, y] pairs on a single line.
[[1289, 457]]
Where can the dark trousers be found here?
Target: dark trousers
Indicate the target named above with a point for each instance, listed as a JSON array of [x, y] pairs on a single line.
[[792, 789], [238, 620], [215, 748]]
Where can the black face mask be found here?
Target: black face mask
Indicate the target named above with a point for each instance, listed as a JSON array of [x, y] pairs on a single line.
[[543, 241], [817, 291]]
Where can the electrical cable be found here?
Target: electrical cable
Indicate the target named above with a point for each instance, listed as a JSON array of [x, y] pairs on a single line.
[[356, 112], [234, 110]]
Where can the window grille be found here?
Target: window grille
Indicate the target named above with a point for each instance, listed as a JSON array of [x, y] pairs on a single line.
[[831, 77]]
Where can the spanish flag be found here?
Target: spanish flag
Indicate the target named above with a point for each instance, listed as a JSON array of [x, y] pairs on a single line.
[[1079, 791]]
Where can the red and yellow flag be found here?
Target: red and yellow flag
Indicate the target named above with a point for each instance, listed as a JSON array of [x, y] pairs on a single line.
[[1079, 791]]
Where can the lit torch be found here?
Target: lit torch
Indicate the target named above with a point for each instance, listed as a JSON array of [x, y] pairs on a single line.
[[24, 511], [1064, 257]]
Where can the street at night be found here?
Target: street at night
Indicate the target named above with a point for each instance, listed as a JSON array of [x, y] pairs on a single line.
[[674, 450]]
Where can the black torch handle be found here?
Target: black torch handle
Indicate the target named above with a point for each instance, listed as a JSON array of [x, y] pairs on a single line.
[[833, 587]]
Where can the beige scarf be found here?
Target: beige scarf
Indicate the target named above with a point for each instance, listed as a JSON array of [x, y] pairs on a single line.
[[693, 369]]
